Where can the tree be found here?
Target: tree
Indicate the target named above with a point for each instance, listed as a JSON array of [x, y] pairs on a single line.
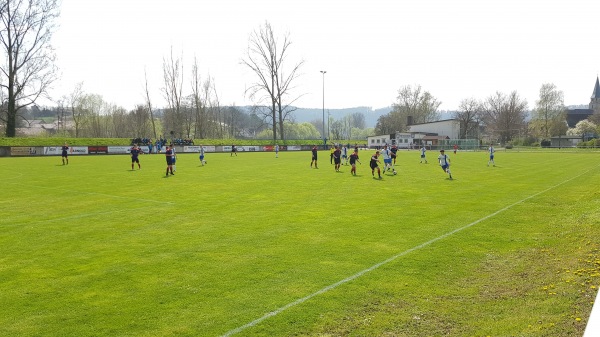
[[28, 67], [149, 104], [412, 103], [173, 80], [266, 58], [469, 113], [549, 112], [504, 115], [583, 128]]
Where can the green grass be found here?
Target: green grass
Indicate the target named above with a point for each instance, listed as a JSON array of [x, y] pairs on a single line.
[[95, 249]]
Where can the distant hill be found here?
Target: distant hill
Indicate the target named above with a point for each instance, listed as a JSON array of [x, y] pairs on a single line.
[[302, 115]]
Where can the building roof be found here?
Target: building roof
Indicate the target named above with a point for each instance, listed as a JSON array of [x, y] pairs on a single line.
[[435, 137], [440, 121], [596, 93]]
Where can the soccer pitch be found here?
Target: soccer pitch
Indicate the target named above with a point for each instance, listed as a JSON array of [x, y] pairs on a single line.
[[255, 245]]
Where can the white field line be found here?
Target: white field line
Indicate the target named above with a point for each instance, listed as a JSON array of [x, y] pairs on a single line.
[[375, 266]]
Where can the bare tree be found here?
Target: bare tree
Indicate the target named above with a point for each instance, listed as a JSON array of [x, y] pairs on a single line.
[[25, 31], [549, 110], [197, 103], [173, 80], [469, 113], [74, 103], [412, 105], [504, 115], [266, 58], [149, 104]]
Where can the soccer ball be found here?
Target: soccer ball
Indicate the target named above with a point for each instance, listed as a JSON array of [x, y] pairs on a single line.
[[395, 172]]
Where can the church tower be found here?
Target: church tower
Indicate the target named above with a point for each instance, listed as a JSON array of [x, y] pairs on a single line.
[[595, 101]]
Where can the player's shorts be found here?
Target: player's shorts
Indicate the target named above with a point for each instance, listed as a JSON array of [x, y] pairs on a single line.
[[445, 167], [173, 159], [64, 153], [314, 157], [337, 160], [135, 160], [201, 157], [374, 166], [491, 157], [169, 161], [422, 156], [387, 161]]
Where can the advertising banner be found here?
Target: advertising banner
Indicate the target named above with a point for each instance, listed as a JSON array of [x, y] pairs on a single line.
[[26, 151], [78, 150], [119, 149], [57, 150], [97, 149], [197, 148]]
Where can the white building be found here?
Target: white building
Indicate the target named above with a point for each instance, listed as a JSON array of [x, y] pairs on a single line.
[[449, 128]]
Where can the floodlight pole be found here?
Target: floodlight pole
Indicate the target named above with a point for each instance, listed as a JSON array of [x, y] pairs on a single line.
[[324, 138]]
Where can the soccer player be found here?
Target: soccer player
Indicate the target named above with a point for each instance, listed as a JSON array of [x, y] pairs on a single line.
[[169, 157], [331, 155], [233, 150], [387, 158], [337, 158], [353, 160], [202, 155], [345, 154], [491, 151], [173, 158], [394, 150], [455, 148], [373, 164], [423, 150], [314, 156], [65, 156], [276, 150], [134, 152], [444, 161]]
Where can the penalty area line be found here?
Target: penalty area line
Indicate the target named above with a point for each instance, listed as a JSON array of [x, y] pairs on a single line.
[[390, 259]]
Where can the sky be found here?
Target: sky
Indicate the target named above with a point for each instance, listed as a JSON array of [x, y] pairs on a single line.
[[455, 49]]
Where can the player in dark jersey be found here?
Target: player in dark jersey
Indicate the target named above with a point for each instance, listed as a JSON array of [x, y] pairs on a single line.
[[169, 157], [394, 150], [353, 160], [314, 156], [135, 151], [373, 164], [65, 157], [337, 158]]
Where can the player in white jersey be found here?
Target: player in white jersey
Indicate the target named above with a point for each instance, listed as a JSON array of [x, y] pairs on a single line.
[[387, 158], [491, 151], [423, 150], [444, 161]]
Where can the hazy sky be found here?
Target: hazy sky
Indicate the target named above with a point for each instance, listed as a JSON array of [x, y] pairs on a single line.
[[455, 49]]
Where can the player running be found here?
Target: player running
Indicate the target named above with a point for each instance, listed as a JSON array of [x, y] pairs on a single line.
[[373, 164], [423, 150], [353, 160], [444, 161], [387, 159]]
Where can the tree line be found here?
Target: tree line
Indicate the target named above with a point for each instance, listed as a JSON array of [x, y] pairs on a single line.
[[501, 117], [194, 110]]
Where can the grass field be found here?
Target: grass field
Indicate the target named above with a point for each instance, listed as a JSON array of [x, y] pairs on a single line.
[[258, 246]]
